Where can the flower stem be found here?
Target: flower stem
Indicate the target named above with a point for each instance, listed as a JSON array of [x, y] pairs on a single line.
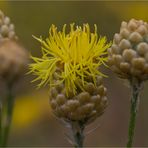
[[136, 87], [78, 135], [9, 107]]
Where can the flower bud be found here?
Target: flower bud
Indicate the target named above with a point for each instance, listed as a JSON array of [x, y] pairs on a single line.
[[64, 109], [123, 24], [142, 30], [6, 20], [53, 104], [129, 54], [132, 25], [87, 108], [135, 37], [114, 49], [83, 97], [125, 67], [117, 59], [124, 44], [142, 48], [53, 92], [138, 63], [101, 90], [96, 99], [60, 99], [90, 88], [117, 38], [132, 58], [11, 27], [6, 28], [124, 33], [73, 104]]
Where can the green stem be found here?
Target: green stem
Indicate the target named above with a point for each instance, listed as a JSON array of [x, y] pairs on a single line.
[[78, 135], [133, 112], [9, 107]]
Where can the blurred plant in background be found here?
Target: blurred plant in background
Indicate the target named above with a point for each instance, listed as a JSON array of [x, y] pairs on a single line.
[[70, 64], [13, 60]]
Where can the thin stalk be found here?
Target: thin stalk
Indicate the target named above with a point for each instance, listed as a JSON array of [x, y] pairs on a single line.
[[78, 134], [9, 107], [136, 87]]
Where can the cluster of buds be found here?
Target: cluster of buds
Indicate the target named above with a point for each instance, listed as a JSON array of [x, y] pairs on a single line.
[[6, 27], [128, 55], [85, 106]]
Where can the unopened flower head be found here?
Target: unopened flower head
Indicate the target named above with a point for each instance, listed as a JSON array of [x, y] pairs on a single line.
[[128, 56], [73, 56]]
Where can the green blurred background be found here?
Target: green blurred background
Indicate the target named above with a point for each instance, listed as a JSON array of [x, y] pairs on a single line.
[[33, 122]]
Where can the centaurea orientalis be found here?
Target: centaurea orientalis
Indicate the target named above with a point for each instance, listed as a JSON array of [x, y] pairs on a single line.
[[70, 64]]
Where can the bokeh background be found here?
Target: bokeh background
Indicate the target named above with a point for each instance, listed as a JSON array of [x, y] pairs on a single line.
[[33, 122]]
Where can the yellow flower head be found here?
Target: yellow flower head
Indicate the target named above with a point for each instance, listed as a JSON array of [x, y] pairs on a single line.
[[77, 54]]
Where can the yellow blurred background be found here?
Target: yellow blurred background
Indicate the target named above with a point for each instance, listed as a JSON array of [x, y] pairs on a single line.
[[33, 122]]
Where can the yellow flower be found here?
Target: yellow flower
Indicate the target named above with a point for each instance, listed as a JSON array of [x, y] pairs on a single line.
[[77, 54]]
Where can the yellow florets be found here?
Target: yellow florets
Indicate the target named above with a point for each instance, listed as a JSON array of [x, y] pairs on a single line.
[[78, 54]]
